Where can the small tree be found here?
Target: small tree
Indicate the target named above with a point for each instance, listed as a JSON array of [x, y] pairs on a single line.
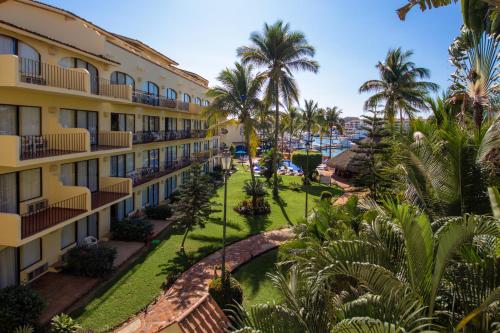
[[267, 164], [299, 158], [193, 207]]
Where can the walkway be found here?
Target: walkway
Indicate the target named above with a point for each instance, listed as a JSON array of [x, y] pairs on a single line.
[[349, 190], [191, 287]]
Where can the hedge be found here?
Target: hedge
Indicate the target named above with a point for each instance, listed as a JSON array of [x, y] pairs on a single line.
[[299, 158]]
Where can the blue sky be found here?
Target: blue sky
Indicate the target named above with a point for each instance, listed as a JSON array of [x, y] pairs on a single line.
[[349, 36]]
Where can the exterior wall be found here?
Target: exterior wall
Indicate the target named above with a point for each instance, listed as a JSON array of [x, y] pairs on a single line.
[[107, 53], [234, 136]]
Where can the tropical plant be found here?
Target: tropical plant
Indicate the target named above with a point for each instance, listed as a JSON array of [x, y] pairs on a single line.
[[62, 323], [399, 89], [19, 306], [237, 97], [131, 229], [84, 260], [292, 119], [333, 121], [475, 80], [267, 164], [280, 51], [194, 206], [308, 162], [24, 329]]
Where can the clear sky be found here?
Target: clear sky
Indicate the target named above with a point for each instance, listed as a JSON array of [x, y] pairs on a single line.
[[349, 36]]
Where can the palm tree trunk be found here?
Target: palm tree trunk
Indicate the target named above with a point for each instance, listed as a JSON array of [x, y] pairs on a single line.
[[282, 142], [276, 138], [290, 140], [330, 147], [321, 143]]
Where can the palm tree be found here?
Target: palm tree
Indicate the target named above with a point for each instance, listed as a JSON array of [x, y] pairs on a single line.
[[400, 87], [237, 98], [333, 120], [310, 117], [475, 81], [280, 51], [293, 121]]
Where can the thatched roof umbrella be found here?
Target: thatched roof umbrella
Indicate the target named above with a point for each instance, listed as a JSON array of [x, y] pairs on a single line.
[[346, 164]]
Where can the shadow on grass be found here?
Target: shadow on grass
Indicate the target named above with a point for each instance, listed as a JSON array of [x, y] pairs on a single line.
[[253, 273], [316, 189], [257, 224], [282, 204], [229, 224]]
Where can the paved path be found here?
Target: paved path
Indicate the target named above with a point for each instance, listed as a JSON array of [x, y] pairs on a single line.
[[191, 287]]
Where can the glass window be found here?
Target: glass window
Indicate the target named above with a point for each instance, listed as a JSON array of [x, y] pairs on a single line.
[[122, 165], [8, 119], [30, 184], [29, 120], [197, 100], [67, 118], [8, 267], [68, 174], [150, 123], [7, 45], [186, 98], [171, 94], [8, 193], [206, 103], [122, 122], [31, 253], [68, 235], [122, 78], [88, 226], [27, 52]]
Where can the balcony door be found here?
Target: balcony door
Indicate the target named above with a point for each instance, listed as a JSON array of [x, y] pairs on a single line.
[[69, 62], [123, 122], [69, 118], [171, 124], [20, 120], [151, 124], [9, 272], [88, 226], [170, 155], [151, 158], [9, 193], [83, 173]]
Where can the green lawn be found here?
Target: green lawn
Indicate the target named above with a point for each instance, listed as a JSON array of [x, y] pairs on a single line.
[[137, 287], [257, 287]]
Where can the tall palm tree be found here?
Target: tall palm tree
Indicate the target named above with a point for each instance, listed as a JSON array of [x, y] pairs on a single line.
[[294, 122], [333, 121], [400, 87], [237, 97], [280, 51], [310, 117], [475, 81]]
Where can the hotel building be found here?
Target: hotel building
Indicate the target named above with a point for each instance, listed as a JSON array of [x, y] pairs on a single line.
[[93, 126]]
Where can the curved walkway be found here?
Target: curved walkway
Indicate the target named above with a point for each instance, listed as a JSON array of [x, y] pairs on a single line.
[[191, 287]]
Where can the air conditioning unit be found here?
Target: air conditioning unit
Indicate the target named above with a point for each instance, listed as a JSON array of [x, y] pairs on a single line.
[[37, 206], [37, 272]]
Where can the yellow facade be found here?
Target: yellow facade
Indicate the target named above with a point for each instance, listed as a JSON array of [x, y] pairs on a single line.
[[88, 125]]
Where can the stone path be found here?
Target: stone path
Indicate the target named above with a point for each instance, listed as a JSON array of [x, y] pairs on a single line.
[[349, 190], [191, 287]]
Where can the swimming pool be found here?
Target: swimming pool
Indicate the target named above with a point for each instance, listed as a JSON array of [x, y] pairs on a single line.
[[292, 166]]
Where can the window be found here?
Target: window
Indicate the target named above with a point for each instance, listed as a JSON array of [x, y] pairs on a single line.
[[186, 150], [170, 186], [122, 78], [31, 253], [69, 118], [8, 193], [150, 195], [70, 62], [88, 226], [197, 147], [30, 58], [20, 120], [122, 165], [185, 176], [83, 173], [150, 123], [150, 158], [68, 235], [122, 209], [206, 103], [150, 88], [123, 122], [171, 94], [8, 267], [170, 155], [206, 145], [197, 100], [170, 124], [30, 184], [187, 124], [186, 98]]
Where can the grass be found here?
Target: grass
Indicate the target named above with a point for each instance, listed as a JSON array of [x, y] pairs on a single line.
[[257, 287], [138, 286]]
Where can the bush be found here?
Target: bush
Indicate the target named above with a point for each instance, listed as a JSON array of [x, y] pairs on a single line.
[[246, 208], [161, 212], [254, 188], [325, 195], [90, 261], [299, 158], [24, 329], [64, 324], [132, 230], [226, 295], [19, 306]]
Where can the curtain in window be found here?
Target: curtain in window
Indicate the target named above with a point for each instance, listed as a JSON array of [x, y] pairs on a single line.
[[93, 225], [121, 165], [129, 163], [8, 266], [31, 253], [8, 193], [81, 226], [30, 182], [67, 174], [68, 235], [82, 173], [8, 118], [93, 175], [29, 120], [27, 52], [67, 118]]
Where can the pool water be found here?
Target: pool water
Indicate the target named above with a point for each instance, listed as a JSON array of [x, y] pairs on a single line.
[[292, 166]]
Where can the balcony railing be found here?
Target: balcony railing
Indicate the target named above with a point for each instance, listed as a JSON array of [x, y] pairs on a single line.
[[139, 96], [143, 175], [109, 194], [143, 97], [200, 133], [106, 88], [39, 73], [44, 218], [39, 146], [201, 156], [110, 140], [159, 136]]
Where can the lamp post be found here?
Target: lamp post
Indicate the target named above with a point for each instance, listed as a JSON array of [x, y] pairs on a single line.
[[226, 161], [308, 145]]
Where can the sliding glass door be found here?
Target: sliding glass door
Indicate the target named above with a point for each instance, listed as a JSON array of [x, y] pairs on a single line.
[[69, 118], [83, 173], [20, 120], [9, 271]]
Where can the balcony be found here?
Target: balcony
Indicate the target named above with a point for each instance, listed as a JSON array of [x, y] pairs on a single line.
[[120, 91], [143, 175], [113, 189], [202, 156], [142, 97], [160, 136], [111, 140]]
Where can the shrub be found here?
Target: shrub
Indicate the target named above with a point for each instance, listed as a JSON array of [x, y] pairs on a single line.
[[24, 329], [19, 306], [254, 188], [64, 324], [161, 212], [299, 158], [246, 208], [90, 261], [227, 293], [325, 195], [132, 230]]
